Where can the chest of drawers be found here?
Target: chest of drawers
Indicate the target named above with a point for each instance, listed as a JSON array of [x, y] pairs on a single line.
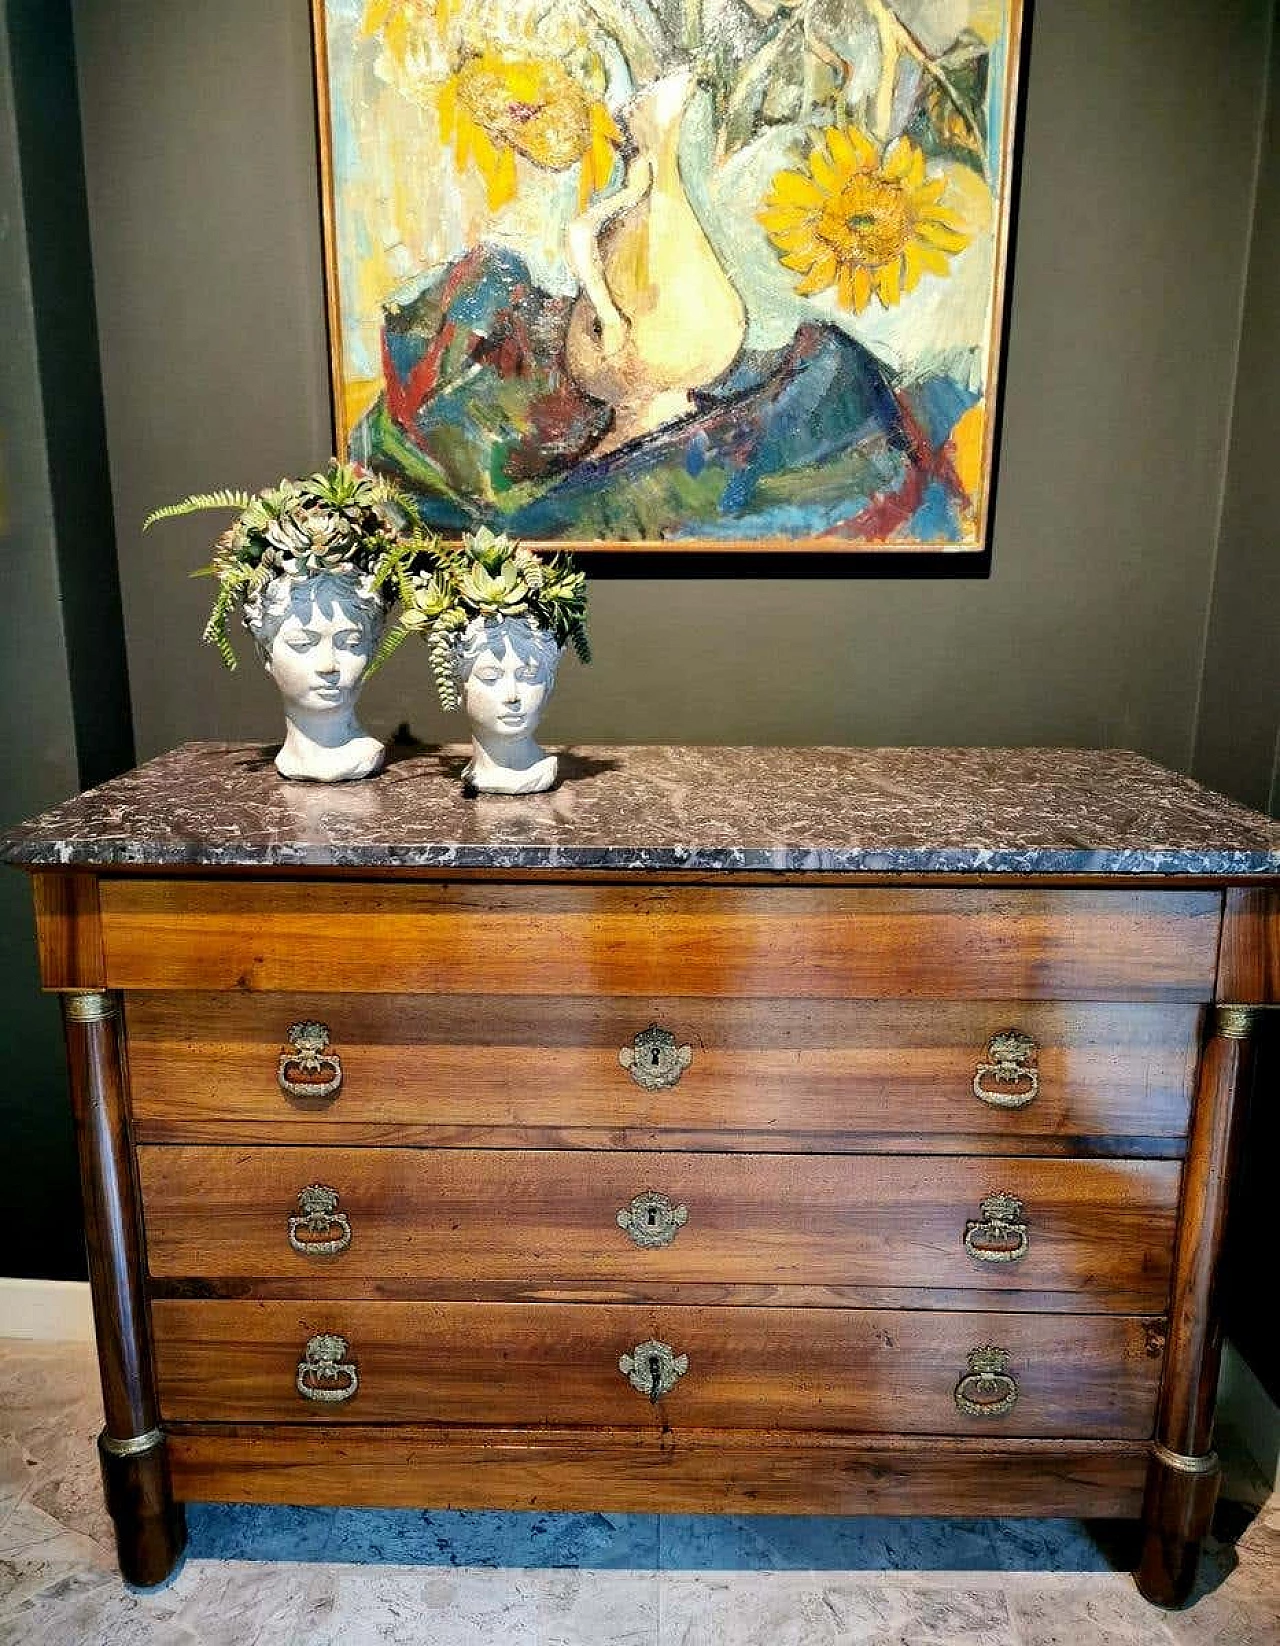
[[820, 1143]]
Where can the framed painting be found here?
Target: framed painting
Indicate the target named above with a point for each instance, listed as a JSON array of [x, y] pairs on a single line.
[[674, 275]]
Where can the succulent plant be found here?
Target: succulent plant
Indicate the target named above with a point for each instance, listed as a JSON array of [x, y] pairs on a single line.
[[341, 519], [445, 586]]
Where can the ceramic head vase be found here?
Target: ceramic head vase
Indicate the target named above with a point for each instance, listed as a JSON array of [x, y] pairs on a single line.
[[497, 618], [310, 563], [316, 636], [505, 669]]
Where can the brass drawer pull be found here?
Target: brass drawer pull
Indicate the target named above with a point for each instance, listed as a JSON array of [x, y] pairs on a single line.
[[1012, 1065], [322, 1230], [651, 1219], [999, 1234], [654, 1060], [323, 1373], [987, 1390], [309, 1069], [653, 1368]]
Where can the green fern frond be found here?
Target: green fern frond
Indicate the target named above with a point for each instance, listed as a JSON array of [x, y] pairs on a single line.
[[581, 645], [390, 643], [215, 630], [197, 501]]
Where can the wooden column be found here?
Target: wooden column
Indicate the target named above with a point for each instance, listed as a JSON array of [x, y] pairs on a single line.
[[1182, 1481], [150, 1526]]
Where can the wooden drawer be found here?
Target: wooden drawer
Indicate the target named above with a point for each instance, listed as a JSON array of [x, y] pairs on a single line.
[[773, 1074], [767, 942], [537, 1224], [871, 1372]]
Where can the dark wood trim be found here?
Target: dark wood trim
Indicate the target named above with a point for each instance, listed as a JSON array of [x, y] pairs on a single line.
[[149, 1527]]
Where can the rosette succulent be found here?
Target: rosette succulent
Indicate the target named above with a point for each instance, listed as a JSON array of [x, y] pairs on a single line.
[[341, 520], [443, 587]]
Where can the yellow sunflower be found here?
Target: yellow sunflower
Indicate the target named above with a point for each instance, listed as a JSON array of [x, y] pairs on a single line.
[[496, 107], [866, 223]]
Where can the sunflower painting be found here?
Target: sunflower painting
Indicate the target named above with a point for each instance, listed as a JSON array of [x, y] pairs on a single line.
[[673, 274]]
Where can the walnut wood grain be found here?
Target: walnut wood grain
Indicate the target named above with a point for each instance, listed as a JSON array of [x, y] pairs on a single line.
[[68, 930], [1249, 951], [788, 942], [788, 1074], [545, 1221], [876, 1372], [688, 1472]]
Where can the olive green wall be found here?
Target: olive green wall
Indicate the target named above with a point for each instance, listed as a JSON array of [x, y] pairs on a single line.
[[1238, 732], [1136, 201]]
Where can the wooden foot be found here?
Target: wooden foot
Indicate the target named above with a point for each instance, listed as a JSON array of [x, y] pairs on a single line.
[[1181, 1493], [151, 1529]]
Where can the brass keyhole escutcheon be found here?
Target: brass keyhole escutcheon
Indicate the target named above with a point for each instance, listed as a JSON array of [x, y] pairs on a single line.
[[655, 1059], [653, 1369], [652, 1220]]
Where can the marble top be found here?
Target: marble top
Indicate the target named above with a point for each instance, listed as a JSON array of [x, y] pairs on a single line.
[[816, 810]]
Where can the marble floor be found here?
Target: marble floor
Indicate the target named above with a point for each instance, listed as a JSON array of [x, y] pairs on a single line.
[[332, 1577]]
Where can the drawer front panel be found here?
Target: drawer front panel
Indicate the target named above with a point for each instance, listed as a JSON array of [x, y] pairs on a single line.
[[784, 942], [762, 1074], [872, 1372], [548, 1220]]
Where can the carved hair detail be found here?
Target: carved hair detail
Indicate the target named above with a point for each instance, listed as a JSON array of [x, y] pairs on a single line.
[[530, 642], [266, 610]]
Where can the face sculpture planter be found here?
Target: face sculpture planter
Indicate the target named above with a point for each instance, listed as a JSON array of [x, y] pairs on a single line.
[[505, 669], [316, 636], [497, 619], [311, 563]]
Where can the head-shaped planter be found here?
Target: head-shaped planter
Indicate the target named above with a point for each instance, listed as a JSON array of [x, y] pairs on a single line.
[[315, 636], [505, 668]]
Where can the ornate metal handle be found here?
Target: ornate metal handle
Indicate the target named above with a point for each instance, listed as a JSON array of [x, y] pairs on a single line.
[[654, 1060], [651, 1219], [653, 1368], [986, 1389], [1013, 1055], [322, 1230], [323, 1373], [309, 1069], [999, 1234]]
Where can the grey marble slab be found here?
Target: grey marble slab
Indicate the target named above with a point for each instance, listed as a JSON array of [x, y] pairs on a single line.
[[705, 810]]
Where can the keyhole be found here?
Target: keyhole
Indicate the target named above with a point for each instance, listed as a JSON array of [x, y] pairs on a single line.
[[655, 1375], [654, 1055], [653, 1217]]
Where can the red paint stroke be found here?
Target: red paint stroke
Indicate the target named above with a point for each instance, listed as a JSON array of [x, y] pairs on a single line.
[[890, 511]]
